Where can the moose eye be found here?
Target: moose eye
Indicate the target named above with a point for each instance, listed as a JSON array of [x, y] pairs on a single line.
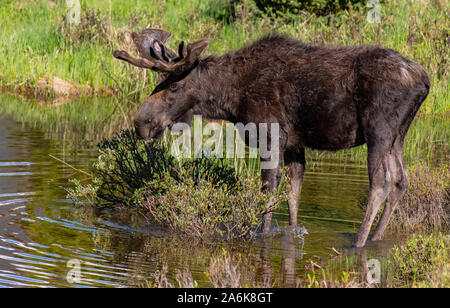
[[174, 87]]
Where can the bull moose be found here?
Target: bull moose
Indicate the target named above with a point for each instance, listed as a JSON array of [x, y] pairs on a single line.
[[325, 98]]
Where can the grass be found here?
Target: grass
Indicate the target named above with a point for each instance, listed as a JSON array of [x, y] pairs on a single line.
[[36, 43], [425, 205]]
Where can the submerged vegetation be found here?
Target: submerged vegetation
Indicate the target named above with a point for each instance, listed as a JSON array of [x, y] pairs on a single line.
[[420, 262]]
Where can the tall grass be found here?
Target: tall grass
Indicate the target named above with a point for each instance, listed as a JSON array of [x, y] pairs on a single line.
[[33, 45]]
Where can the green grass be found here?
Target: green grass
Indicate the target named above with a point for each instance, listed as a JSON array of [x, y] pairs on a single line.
[[33, 45]]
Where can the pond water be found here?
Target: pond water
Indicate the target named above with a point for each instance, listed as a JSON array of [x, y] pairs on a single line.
[[41, 230]]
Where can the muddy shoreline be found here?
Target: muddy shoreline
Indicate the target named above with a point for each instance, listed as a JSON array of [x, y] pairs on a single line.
[[56, 91]]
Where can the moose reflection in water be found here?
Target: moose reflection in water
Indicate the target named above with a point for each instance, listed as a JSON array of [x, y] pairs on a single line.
[[325, 98]]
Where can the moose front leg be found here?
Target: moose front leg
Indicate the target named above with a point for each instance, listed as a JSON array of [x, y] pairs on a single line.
[[271, 178], [272, 155], [295, 161]]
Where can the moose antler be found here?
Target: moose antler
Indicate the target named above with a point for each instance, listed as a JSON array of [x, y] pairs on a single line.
[[150, 44], [176, 65]]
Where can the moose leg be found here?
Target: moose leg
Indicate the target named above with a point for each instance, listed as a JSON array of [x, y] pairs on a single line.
[[296, 163], [271, 178], [399, 184], [380, 183]]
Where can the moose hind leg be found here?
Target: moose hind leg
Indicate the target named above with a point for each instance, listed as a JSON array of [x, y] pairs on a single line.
[[399, 184], [380, 183]]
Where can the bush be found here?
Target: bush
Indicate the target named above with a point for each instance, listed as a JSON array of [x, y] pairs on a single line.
[[318, 7], [127, 167], [93, 27], [423, 261], [209, 210], [197, 197]]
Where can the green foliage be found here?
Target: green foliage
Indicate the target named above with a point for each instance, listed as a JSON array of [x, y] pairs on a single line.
[[31, 48], [127, 166], [207, 210], [222, 10], [196, 197], [318, 7], [423, 261]]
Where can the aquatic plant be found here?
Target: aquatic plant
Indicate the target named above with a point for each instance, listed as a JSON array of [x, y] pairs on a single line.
[[195, 197]]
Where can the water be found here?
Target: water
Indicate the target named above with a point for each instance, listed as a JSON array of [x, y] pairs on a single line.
[[41, 230]]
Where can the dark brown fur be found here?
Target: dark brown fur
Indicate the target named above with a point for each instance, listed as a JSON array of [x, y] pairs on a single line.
[[324, 98]]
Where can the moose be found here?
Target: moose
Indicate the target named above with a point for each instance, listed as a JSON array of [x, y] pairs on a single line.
[[322, 97]]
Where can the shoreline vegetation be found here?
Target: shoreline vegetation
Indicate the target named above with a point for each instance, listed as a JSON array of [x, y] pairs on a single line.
[[43, 55], [422, 261], [69, 82]]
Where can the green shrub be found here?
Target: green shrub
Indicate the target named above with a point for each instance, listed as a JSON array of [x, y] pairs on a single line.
[[208, 210], [197, 197], [423, 261], [127, 166], [318, 7], [94, 27]]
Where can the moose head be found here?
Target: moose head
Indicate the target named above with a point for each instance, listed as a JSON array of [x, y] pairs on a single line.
[[172, 98]]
